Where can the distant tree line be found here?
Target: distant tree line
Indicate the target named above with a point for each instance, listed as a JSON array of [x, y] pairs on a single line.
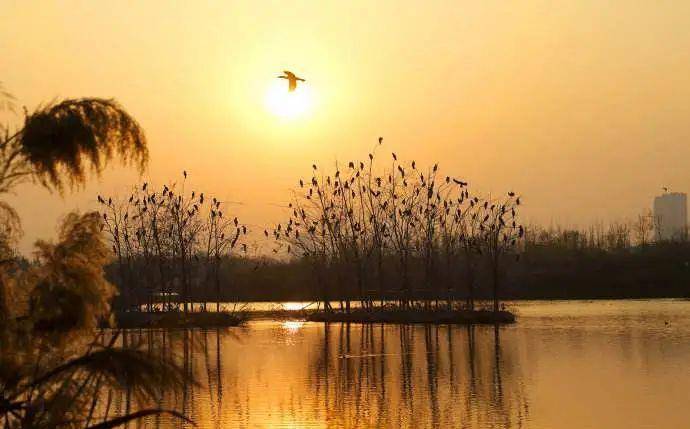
[[600, 261], [615, 261], [546, 270], [399, 235]]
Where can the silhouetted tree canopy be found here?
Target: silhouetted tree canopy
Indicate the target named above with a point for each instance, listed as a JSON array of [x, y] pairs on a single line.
[[71, 291], [62, 141]]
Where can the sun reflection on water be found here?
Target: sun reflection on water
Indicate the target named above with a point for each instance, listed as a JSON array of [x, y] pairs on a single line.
[[292, 306], [292, 326]]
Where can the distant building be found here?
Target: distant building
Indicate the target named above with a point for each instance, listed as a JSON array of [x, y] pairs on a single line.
[[671, 216]]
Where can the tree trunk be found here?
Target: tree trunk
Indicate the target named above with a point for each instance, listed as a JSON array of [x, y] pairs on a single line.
[[494, 275], [217, 276], [469, 278]]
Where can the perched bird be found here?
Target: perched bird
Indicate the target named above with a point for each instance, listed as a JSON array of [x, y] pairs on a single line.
[[292, 79], [665, 189]]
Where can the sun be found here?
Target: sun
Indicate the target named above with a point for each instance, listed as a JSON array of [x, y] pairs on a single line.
[[288, 105]]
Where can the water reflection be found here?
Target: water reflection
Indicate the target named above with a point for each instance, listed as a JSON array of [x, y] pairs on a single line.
[[292, 326], [547, 371], [294, 374]]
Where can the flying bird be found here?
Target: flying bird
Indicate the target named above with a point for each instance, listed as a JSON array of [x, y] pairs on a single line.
[[292, 79]]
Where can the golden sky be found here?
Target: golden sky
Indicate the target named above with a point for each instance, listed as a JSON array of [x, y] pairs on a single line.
[[581, 106]]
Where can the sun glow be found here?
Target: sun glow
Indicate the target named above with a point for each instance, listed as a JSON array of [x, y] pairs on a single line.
[[292, 326], [294, 306], [286, 104]]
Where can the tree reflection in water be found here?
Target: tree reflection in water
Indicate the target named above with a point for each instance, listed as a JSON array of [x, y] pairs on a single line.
[[434, 380], [344, 376]]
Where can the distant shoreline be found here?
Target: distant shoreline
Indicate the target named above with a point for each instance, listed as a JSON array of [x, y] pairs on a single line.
[[212, 319], [478, 301]]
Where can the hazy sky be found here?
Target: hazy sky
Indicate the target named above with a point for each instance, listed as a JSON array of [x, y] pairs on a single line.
[[581, 106]]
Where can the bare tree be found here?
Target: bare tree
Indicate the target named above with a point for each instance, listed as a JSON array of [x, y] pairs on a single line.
[[348, 223], [500, 232], [643, 227], [170, 237]]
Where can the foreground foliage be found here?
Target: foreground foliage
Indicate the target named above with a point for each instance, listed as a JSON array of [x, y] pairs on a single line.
[[55, 369]]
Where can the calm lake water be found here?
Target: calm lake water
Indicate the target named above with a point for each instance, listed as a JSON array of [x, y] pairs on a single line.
[[576, 364]]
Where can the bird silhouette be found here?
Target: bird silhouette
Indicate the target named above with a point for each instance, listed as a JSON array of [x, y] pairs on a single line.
[[292, 79], [665, 189]]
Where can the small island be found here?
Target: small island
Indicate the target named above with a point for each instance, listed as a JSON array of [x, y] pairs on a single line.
[[391, 314], [178, 320], [402, 316]]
